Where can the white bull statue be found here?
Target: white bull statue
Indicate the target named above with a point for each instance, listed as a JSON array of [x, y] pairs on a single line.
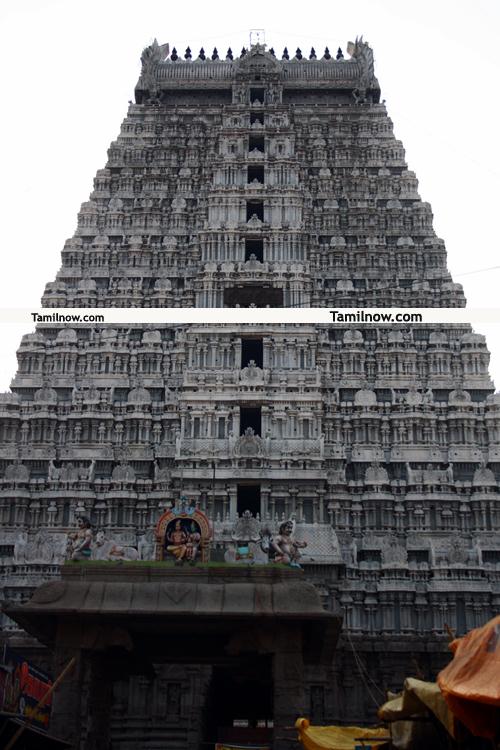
[[108, 549]]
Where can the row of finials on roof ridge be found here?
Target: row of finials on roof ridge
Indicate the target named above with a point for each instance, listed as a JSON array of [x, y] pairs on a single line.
[[229, 54]]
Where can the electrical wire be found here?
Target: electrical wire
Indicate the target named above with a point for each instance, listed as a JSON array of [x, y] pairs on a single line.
[[361, 667], [479, 270]]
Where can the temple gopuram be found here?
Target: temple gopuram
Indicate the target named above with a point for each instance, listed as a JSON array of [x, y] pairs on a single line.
[[152, 477]]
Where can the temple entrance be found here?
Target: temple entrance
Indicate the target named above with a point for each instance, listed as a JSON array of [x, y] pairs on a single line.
[[179, 656], [239, 705], [248, 498]]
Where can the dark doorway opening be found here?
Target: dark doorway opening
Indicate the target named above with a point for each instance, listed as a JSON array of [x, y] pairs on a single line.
[[254, 247], [256, 173], [255, 208], [250, 418], [248, 499], [252, 349], [256, 142], [256, 117], [253, 296], [257, 95], [239, 706]]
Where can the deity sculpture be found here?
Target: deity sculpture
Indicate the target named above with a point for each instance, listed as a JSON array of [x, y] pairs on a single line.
[[286, 547], [184, 540], [80, 541], [177, 542], [192, 546]]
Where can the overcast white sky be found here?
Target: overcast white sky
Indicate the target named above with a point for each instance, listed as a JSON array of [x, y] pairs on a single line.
[[69, 67]]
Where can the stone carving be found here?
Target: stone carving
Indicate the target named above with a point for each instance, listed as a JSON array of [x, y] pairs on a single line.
[[249, 445], [150, 58], [284, 546], [376, 474], [251, 542], [161, 475], [139, 395], [459, 396], [68, 474], [428, 396], [484, 477], [17, 473], [146, 545], [413, 397], [123, 473], [54, 472], [457, 551], [337, 476], [107, 549], [79, 546], [353, 337], [252, 374], [393, 552], [46, 547], [46, 395], [20, 546], [429, 475], [363, 54], [365, 397]]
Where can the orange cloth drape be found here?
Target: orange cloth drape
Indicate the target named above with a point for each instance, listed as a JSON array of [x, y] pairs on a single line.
[[471, 682]]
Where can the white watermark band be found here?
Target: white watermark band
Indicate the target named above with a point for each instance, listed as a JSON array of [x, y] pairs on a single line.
[[184, 315]]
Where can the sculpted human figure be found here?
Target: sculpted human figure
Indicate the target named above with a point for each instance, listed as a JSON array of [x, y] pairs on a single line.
[[192, 546], [177, 542], [80, 541], [285, 547], [54, 472], [178, 442]]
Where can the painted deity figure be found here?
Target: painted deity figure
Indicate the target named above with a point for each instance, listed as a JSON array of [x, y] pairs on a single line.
[[80, 541], [178, 542], [286, 548], [192, 546]]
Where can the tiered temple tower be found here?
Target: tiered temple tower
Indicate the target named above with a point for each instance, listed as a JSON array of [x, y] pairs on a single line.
[[267, 182]]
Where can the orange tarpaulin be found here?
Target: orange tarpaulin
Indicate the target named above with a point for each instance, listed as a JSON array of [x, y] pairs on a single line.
[[471, 682], [337, 738]]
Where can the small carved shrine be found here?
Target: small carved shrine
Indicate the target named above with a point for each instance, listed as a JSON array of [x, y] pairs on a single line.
[[183, 534]]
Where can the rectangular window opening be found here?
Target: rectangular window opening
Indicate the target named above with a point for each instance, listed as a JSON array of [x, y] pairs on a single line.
[[256, 143], [250, 418], [255, 174], [255, 208], [256, 118], [248, 498], [257, 95], [254, 247], [252, 350]]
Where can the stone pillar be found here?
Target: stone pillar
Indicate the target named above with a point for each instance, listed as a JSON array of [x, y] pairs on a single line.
[[288, 685], [66, 709], [99, 704]]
